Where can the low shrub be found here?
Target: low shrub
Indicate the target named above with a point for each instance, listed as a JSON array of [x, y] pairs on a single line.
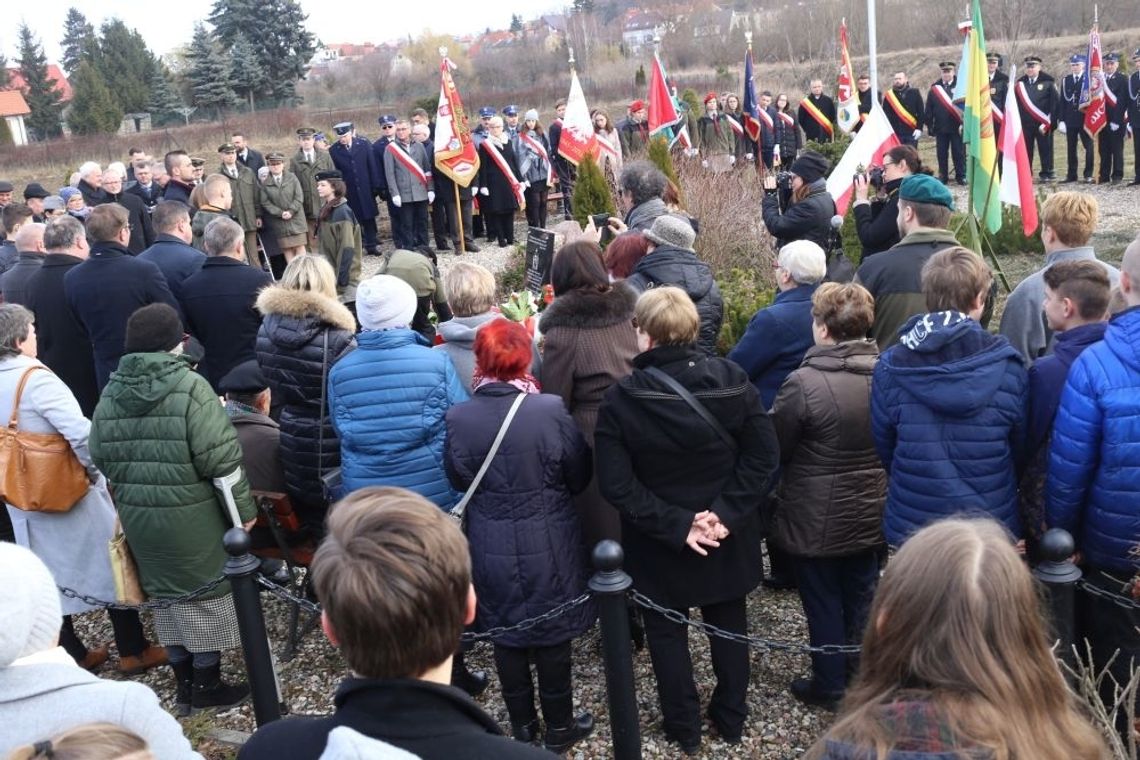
[[745, 292]]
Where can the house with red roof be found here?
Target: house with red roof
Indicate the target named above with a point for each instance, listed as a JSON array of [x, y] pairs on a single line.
[[13, 109]]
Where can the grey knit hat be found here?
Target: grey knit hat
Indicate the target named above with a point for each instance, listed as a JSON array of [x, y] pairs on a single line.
[[29, 605], [673, 231]]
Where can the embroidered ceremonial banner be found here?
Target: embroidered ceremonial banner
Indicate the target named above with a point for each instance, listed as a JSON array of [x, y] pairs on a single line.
[[847, 101], [754, 116], [456, 154], [577, 140]]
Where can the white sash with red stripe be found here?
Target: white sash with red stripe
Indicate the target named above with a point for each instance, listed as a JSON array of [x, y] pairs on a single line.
[[607, 147], [409, 163], [1108, 93], [999, 117], [501, 161], [1038, 115], [537, 147], [737, 127], [787, 119], [946, 101]]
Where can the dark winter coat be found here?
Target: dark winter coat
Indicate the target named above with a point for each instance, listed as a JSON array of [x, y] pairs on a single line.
[[1043, 95], [659, 464], [60, 337], [260, 439], [432, 721], [947, 412], [388, 399], [937, 117], [666, 265], [776, 340], [877, 222], [788, 138], [832, 486], [291, 353], [813, 130], [219, 307], [105, 291], [361, 175], [1093, 489], [501, 199], [589, 344], [161, 437], [527, 555], [150, 195], [14, 282], [175, 259], [911, 100], [142, 233], [252, 159], [178, 191], [808, 219], [92, 196]]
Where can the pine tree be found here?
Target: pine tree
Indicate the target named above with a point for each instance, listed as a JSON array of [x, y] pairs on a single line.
[[208, 70], [516, 22], [660, 156], [78, 35], [93, 110], [164, 100], [284, 47], [591, 192], [248, 76], [41, 95], [126, 65]]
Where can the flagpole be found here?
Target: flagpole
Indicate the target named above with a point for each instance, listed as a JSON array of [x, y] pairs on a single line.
[[872, 50], [1089, 74]]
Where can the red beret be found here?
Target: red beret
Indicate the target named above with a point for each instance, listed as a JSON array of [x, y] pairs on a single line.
[[711, 96], [636, 105]]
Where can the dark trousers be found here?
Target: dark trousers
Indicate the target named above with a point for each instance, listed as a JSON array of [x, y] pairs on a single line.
[[1035, 141], [396, 220], [566, 175], [409, 225], [439, 220], [553, 667], [673, 667], [1108, 629], [951, 146], [1072, 137], [500, 226], [836, 594], [130, 638], [536, 204], [907, 139], [368, 233], [1136, 147], [1111, 147]]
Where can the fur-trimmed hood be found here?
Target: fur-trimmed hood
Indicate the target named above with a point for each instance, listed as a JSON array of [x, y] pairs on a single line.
[[589, 309], [299, 304]]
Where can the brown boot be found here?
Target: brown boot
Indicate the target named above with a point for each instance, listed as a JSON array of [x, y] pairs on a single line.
[[95, 658], [151, 657]]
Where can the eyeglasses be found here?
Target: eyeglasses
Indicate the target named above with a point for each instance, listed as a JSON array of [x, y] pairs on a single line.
[[887, 163], [387, 126]]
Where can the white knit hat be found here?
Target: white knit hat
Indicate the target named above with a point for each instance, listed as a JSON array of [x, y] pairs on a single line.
[[29, 605], [384, 301]]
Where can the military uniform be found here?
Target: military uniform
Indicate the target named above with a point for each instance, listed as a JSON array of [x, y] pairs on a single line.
[[361, 173], [944, 122], [1037, 108], [1074, 120], [715, 138], [395, 218], [246, 206], [1133, 93], [338, 240], [816, 117], [306, 168], [905, 113], [1110, 141], [478, 135], [999, 88]]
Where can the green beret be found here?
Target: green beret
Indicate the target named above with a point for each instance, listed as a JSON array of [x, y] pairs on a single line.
[[923, 188]]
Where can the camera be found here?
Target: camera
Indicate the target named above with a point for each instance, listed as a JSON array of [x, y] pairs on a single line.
[[784, 180], [874, 176], [602, 223]]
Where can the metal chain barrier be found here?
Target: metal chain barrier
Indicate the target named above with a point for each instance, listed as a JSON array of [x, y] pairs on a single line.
[[152, 604], [752, 641], [1126, 602]]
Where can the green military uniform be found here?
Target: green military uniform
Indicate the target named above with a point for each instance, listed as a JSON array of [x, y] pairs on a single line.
[[246, 207], [338, 240], [277, 199], [306, 172]]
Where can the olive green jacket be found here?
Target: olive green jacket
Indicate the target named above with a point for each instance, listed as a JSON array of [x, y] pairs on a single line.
[[245, 207], [307, 175], [276, 200], [205, 215], [338, 239], [161, 436]]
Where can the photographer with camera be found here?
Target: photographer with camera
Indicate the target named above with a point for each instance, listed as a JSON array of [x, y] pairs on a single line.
[[797, 205], [876, 221]]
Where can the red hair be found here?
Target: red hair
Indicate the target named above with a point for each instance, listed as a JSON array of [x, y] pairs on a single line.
[[623, 253], [503, 350]]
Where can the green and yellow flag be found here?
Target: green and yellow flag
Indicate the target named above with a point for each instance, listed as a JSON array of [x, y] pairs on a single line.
[[978, 130]]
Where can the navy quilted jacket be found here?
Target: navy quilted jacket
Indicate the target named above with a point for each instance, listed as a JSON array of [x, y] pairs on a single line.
[[947, 411], [1093, 487], [527, 555], [388, 399]]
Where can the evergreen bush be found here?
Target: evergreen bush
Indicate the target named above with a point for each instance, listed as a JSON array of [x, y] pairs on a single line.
[[591, 193]]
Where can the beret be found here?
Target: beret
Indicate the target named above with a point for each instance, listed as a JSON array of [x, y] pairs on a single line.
[[923, 188]]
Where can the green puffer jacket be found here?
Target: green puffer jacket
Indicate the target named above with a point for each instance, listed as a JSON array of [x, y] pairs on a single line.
[[160, 436]]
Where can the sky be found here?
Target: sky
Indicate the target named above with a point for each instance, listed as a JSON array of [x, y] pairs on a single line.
[[170, 24]]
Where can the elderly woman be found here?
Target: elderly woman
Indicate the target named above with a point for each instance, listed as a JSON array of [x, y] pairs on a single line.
[[523, 529], [162, 439], [283, 207], [806, 213], [641, 188], [876, 222], [73, 544], [501, 183], [685, 452], [830, 499]]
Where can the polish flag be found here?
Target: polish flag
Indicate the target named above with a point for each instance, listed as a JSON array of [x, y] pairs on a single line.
[[1016, 173], [874, 139], [578, 140]]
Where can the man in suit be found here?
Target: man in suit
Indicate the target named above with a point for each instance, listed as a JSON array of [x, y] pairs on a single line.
[[903, 105], [181, 183], [409, 178], [246, 155], [149, 191], [944, 122], [306, 163], [354, 159], [245, 205], [171, 251], [863, 86], [1110, 141], [142, 234], [1037, 109], [817, 114], [1071, 121]]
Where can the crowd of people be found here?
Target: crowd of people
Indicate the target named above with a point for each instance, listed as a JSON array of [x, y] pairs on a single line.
[[216, 340]]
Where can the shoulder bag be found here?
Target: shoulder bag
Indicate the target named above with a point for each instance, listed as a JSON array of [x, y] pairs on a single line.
[[460, 509], [39, 472], [124, 569], [696, 405]]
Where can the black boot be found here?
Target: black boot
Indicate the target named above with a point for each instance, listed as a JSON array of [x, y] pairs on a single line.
[[474, 683], [210, 691], [558, 740], [524, 717], [183, 682]]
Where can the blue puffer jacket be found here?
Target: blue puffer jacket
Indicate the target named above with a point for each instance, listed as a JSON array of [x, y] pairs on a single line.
[[1094, 460], [388, 399], [947, 411]]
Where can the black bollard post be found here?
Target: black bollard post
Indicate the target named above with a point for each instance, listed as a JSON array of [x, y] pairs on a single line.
[[241, 569], [1059, 576], [610, 583]]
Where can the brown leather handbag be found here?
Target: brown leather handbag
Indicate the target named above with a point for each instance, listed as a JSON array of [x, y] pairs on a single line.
[[39, 472]]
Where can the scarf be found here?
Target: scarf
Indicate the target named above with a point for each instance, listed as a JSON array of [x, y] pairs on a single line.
[[234, 408], [527, 383]]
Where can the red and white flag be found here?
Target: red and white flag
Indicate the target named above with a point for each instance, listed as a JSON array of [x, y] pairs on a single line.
[[846, 100], [456, 155], [1016, 173], [1093, 88], [874, 139], [577, 141]]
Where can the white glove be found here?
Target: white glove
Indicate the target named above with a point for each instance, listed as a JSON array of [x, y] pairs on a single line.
[[1043, 129], [917, 134], [484, 191], [748, 156], [526, 186], [1063, 128], [732, 160], [1129, 130], [474, 189], [691, 152], [705, 164], [396, 201], [1114, 127], [431, 196]]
